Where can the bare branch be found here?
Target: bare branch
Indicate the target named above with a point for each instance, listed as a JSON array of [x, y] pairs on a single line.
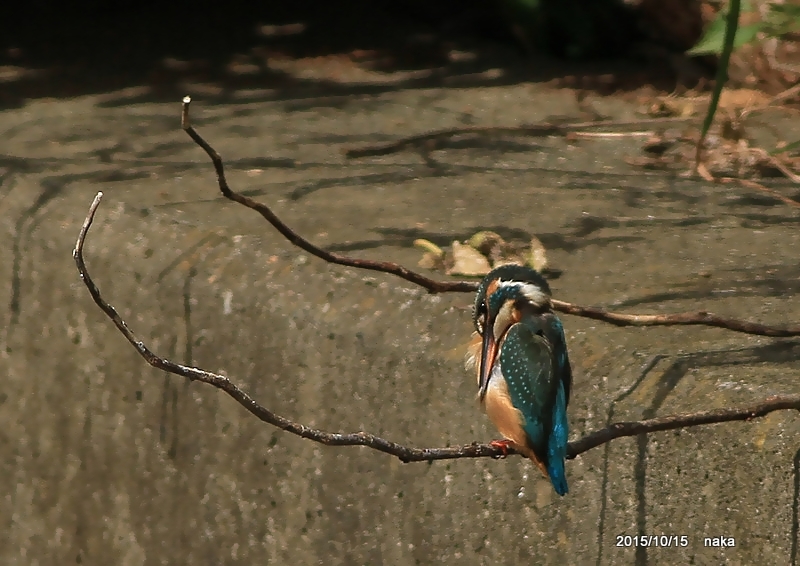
[[701, 318], [635, 428], [382, 266], [405, 453]]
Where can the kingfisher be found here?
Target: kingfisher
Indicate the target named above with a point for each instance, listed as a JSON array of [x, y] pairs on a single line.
[[524, 375]]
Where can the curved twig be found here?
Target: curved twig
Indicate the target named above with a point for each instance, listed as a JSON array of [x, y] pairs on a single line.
[[701, 318], [383, 266], [405, 453]]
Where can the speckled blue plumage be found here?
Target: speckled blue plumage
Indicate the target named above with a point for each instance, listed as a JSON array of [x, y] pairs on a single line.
[[533, 359], [535, 366]]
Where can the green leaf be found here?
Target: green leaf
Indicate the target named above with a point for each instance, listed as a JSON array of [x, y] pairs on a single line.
[[731, 25], [789, 147], [713, 40], [787, 10], [782, 19]]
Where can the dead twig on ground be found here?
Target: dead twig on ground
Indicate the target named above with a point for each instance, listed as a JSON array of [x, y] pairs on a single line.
[[701, 318], [777, 163], [429, 140], [763, 189], [405, 453], [787, 94], [610, 135]]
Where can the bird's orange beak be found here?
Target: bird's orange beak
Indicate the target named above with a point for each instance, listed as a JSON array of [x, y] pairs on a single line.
[[488, 356]]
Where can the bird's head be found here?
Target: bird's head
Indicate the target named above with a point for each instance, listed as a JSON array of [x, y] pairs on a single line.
[[506, 295]]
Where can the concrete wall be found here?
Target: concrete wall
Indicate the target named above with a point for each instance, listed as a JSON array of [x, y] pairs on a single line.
[[107, 461]]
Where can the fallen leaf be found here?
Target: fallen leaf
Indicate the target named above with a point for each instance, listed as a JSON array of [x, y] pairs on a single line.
[[537, 256], [433, 257], [468, 261], [428, 246], [431, 261], [485, 242]]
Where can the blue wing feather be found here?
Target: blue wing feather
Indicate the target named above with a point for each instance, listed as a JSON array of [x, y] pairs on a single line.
[[557, 443], [554, 332], [536, 369]]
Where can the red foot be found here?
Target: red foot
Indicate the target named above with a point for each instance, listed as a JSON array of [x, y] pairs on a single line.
[[503, 445]]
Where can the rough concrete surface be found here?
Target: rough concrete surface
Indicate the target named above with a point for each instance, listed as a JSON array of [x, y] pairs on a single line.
[[107, 461]]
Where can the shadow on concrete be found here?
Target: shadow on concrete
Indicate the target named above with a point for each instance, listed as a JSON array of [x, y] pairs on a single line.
[[795, 508], [679, 366], [275, 50]]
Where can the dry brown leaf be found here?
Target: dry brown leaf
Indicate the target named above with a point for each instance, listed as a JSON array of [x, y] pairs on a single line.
[[431, 261], [485, 241], [537, 257], [468, 261], [433, 258]]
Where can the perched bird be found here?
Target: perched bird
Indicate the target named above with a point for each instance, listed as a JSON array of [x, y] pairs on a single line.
[[524, 376]]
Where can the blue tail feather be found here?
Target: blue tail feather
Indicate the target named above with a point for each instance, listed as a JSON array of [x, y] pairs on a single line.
[[557, 443]]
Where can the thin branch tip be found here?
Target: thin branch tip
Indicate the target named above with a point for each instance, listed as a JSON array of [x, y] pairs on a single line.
[[77, 252], [187, 100]]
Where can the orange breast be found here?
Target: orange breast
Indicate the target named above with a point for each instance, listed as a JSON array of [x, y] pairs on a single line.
[[508, 419]]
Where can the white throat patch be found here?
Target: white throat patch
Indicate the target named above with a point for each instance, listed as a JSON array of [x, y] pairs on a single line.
[[532, 292]]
